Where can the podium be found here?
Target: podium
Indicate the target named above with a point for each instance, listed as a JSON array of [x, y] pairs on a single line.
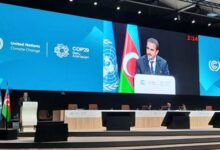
[[154, 84], [121, 120], [176, 120], [29, 116]]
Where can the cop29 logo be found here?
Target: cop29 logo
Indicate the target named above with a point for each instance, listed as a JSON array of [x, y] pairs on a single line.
[[61, 50], [1, 43], [214, 65]]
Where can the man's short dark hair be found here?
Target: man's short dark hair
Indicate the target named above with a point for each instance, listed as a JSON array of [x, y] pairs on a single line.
[[155, 41]]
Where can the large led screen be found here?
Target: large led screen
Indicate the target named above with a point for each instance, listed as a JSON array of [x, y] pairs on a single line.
[[209, 66], [42, 50], [50, 51]]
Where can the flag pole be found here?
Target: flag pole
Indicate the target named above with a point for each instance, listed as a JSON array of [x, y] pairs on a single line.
[[6, 103], [6, 119], [6, 125], [1, 102]]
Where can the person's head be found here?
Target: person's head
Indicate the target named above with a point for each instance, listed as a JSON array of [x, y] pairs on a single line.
[[152, 48], [183, 107], [25, 94], [168, 105]]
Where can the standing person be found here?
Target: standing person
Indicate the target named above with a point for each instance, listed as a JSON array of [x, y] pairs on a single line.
[[25, 97]]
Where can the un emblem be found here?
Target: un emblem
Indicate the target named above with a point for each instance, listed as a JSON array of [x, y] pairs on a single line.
[[110, 67]]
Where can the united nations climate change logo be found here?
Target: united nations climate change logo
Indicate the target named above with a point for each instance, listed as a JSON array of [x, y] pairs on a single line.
[[214, 65], [61, 50], [110, 67], [1, 43]]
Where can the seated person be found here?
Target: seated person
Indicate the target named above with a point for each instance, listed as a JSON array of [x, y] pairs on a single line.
[[146, 107], [166, 107], [182, 107], [149, 107]]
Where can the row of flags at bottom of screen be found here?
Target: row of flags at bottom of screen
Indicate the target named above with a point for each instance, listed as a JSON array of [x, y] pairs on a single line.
[[5, 109]]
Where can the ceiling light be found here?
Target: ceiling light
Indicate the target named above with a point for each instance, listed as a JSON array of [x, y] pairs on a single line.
[[209, 24], [177, 17], [139, 12], [193, 21], [118, 7], [71, 0], [95, 3]]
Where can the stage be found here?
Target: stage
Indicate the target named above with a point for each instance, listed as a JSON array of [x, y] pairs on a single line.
[[151, 139], [83, 129]]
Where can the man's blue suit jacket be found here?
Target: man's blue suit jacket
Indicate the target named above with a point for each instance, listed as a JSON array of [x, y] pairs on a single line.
[[142, 66]]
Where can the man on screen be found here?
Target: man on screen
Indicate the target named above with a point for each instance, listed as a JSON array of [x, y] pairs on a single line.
[[151, 63]]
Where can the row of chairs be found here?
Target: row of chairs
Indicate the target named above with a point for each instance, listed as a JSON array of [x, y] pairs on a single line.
[[95, 107], [123, 107]]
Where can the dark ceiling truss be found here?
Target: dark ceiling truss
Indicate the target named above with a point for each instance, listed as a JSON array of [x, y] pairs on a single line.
[[186, 9], [155, 13], [203, 3], [146, 3]]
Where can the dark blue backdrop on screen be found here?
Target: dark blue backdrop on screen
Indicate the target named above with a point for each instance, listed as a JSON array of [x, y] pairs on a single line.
[[41, 50]]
